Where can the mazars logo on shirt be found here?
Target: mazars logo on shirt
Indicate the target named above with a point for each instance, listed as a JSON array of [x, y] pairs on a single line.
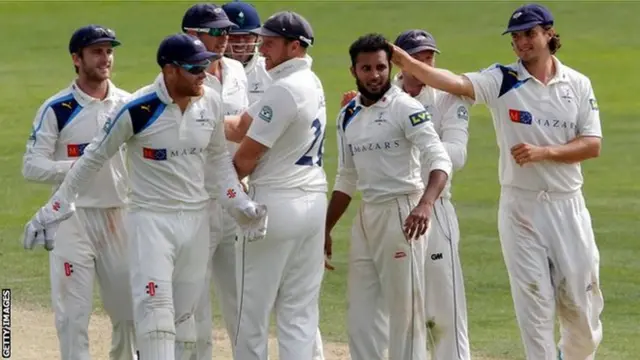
[[526, 118], [76, 150], [384, 145], [522, 117], [165, 154]]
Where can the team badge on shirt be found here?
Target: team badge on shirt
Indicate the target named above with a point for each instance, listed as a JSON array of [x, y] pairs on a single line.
[[419, 117], [463, 113], [594, 104], [108, 125], [266, 113]]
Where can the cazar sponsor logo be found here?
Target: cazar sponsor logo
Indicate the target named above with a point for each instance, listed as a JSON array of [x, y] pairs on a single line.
[[385, 145], [165, 154], [76, 150], [521, 117]]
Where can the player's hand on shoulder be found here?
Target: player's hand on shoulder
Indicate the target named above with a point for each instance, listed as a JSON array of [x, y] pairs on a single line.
[[348, 96], [417, 223], [42, 227]]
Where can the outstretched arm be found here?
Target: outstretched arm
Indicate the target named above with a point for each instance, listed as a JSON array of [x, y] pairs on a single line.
[[440, 79]]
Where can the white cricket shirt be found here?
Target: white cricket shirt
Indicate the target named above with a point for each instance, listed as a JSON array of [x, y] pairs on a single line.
[[64, 125], [258, 78], [166, 149], [526, 111], [291, 119], [233, 87], [387, 149], [450, 117], [233, 93]]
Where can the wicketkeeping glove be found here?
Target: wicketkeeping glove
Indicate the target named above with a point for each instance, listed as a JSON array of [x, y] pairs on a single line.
[[42, 228], [252, 219]]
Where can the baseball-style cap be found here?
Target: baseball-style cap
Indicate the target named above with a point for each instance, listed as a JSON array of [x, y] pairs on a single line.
[[414, 41], [203, 17], [183, 49], [244, 15], [90, 35], [287, 24], [527, 17]]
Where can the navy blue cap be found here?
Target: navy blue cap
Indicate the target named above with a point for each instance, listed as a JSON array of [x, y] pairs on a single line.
[[183, 49], [287, 24], [244, 15], [202, 17], [415, 41], [89, 35], [527, 17]]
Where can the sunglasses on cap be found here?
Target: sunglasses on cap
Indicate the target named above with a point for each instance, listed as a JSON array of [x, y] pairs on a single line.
[[211, 31], [103, 32], [194, 69]]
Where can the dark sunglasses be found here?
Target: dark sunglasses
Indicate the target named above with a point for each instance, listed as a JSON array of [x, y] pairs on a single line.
[[219, 32], [211, 31], [194, 69]]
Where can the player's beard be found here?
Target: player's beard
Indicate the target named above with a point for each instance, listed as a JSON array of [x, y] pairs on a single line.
[[374, 97], [95, 74]]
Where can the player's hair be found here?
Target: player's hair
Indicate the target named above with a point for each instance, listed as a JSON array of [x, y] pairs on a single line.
[[303, 44], [367, 44], [554, 43]]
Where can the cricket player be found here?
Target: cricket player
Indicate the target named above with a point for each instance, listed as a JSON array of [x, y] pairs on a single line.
[[444, 284], [174, 134], [547, 122], [93, 243], [226, 76], [282, 151], [243, 46], [390, 152]]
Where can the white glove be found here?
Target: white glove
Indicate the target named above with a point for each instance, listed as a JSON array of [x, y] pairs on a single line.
[[41, 229], [252, 219]]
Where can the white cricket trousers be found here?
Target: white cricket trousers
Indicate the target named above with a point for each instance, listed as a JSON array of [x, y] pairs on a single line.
[[221, 273], [282, 272], [553, 262], [91, 244], [386, 297], [444, 285], [168, 257]]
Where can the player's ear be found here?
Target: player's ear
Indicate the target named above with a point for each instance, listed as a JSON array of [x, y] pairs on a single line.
[[76, 58], [353, 72]]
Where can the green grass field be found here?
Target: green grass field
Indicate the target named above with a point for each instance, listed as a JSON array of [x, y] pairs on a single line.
[[34, 64]]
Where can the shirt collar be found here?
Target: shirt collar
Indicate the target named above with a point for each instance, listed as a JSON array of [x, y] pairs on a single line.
[[290, 66], [385, 100], [252, 63], [85, 99], [560, 76], [161, 89], [397, 81], [227, 73]]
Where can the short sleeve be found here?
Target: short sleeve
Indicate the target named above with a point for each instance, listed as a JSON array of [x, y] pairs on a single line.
[[589, 113], [271, 115], [486, 84]]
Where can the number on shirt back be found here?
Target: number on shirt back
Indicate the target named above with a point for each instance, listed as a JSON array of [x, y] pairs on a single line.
[[313, 156]]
